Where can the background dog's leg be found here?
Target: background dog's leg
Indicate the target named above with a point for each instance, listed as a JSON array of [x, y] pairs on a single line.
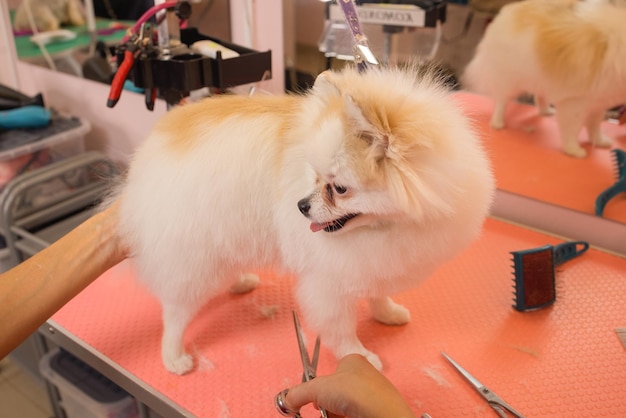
[[176, 317], [497, 118], [388, 312], [543, 106], [596, 137], [569, 115]]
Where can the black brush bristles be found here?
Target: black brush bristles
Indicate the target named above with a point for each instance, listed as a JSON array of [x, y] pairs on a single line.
[[619, 161], [534, 278]]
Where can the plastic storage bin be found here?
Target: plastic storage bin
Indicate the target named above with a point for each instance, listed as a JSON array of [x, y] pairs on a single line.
[[84, 392], [22, 150]]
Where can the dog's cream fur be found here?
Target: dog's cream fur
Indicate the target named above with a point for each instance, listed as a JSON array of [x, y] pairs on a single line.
[[568, 53], [48, 14], [232, 184]]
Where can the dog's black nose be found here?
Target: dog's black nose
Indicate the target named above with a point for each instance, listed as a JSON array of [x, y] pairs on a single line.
[[304, 206]]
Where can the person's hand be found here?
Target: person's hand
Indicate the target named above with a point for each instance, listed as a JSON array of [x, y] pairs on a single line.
[[355, 390], [35, 289], [106, 222]]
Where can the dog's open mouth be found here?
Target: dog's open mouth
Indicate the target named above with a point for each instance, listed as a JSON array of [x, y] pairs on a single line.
[[333, 226]]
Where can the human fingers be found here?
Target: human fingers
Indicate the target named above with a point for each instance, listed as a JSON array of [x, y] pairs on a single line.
[[289, 410], [320, 392], [355, 389], [334, 393]]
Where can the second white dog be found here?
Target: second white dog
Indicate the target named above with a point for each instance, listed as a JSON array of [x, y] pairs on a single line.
[[568, 53]]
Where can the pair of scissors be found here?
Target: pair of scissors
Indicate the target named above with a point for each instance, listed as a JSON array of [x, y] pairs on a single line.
[[494, 401], [309, 366]]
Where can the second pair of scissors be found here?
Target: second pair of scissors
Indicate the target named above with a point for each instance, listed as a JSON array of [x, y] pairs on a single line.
[[494, 401]]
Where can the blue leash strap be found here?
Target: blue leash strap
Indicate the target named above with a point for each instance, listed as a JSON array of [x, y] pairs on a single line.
[[363, 55]]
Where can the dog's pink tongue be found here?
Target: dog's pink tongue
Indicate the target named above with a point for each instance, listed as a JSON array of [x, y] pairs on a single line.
[[318, 227]]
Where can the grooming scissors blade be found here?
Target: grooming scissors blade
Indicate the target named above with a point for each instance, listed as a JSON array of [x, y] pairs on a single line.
[[309, 364], [494, 401]]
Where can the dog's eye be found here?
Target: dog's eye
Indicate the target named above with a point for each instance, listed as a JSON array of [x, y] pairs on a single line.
[[339, 189]]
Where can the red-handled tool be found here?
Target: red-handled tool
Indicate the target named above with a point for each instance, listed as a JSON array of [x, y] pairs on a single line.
[[150, 95], [117, 85]]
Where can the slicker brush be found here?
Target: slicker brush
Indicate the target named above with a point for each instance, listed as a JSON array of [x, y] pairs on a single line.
[[534, 273]]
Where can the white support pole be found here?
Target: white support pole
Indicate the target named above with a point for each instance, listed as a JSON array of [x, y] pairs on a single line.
[[258, 24], [8, 53], [90, 14]]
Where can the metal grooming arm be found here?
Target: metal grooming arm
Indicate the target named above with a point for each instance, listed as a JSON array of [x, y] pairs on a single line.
[[392, 15]]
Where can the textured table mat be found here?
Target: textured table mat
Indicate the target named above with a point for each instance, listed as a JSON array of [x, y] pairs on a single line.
[[564, 361]]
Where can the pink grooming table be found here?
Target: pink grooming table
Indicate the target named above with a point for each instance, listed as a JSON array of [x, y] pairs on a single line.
[[563, 361]]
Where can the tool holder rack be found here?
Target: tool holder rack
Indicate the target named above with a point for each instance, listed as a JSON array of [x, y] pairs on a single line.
[[185, 70]]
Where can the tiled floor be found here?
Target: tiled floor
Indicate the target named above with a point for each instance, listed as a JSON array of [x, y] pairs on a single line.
[[21, 395]]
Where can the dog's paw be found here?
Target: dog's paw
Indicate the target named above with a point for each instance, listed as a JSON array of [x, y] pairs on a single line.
[[373, 359], [546, 111], [247, 282], [602, 141], [575, 150], [388, 312], [179, 365], [497, 122], [544, 107]]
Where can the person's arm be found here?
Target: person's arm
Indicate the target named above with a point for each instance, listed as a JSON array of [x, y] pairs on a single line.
[[35, 289], [355, 390]]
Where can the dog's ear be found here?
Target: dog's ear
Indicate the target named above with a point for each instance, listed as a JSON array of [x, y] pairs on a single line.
[[378, 141], [325, 84]]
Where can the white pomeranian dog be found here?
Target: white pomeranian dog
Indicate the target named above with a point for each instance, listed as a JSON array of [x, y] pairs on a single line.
[[568, 53], [360, 188]]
